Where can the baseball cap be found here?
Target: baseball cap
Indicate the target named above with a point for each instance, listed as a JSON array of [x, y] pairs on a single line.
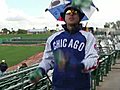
[[75, 8]]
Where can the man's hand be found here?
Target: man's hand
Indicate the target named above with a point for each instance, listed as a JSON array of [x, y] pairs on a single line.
[[35, 76]]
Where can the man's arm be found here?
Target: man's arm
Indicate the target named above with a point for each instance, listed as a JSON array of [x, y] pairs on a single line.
[[48, 58], [45, 65], [91, 55]]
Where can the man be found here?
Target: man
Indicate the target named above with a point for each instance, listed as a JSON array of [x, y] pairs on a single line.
[[3, 67], [71, 53]]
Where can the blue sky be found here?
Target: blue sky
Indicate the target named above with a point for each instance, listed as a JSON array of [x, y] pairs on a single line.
[[27, 14], [30, 7]]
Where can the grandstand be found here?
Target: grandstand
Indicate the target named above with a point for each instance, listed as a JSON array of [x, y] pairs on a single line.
[[108, 49], [24, 41]]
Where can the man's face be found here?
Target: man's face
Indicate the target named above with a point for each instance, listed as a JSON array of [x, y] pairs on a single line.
[[72, 17]]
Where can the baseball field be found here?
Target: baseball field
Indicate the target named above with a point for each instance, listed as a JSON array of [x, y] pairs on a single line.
[[16, 54]]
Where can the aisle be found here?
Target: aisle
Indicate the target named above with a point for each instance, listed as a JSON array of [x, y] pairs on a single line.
[[112, 81]]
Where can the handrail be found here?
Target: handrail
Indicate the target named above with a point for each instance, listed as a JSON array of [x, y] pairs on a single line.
[[17, 73]]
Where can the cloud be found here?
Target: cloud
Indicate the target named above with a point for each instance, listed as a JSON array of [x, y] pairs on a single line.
[[3, 8], [16, 18], [15, 15]]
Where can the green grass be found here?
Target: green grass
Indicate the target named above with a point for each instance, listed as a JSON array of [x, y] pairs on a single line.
[[43, 35], [15, 54]]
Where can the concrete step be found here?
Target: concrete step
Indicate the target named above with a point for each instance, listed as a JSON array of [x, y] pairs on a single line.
[[112, 80]]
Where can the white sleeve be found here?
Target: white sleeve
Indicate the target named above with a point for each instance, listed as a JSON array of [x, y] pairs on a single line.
[[91, 55], [48, 58]]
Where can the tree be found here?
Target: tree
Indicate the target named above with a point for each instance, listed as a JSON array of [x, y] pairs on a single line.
[[21, 31], [45, 28], [118, 24], [107, 25], [113, 25], [13, 31], [5, 30], [57, 25]]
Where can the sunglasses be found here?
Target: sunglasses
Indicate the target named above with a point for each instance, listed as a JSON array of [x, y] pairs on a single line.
[[71, 12]]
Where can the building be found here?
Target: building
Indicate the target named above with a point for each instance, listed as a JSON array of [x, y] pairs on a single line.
[[36, 31]]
